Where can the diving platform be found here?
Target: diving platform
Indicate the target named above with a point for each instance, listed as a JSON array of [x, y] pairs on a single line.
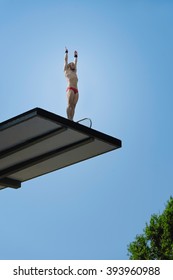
[[38, 142]]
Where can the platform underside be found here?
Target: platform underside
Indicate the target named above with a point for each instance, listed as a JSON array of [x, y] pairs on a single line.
[[38, 142]]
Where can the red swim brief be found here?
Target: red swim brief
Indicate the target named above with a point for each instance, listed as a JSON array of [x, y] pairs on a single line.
[[72, 88]]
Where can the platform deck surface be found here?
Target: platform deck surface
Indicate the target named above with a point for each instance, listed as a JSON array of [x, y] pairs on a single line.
[[38, 142]]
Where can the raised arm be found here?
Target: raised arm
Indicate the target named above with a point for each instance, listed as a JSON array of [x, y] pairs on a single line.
[[75, 59], [66, 59]]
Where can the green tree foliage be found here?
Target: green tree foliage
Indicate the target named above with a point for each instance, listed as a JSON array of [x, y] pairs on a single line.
[[156, 242]]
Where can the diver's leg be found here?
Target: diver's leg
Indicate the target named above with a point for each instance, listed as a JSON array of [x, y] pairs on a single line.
[[76, 97], [70, 106], [75, 100]]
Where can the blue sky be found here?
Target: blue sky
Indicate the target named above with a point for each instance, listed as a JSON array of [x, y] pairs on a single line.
[[94, 209]]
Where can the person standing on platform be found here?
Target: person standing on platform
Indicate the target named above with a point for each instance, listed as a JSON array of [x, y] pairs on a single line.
[[70, 71]]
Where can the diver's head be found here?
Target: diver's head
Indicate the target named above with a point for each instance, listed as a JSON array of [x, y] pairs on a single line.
[[72, 66]]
